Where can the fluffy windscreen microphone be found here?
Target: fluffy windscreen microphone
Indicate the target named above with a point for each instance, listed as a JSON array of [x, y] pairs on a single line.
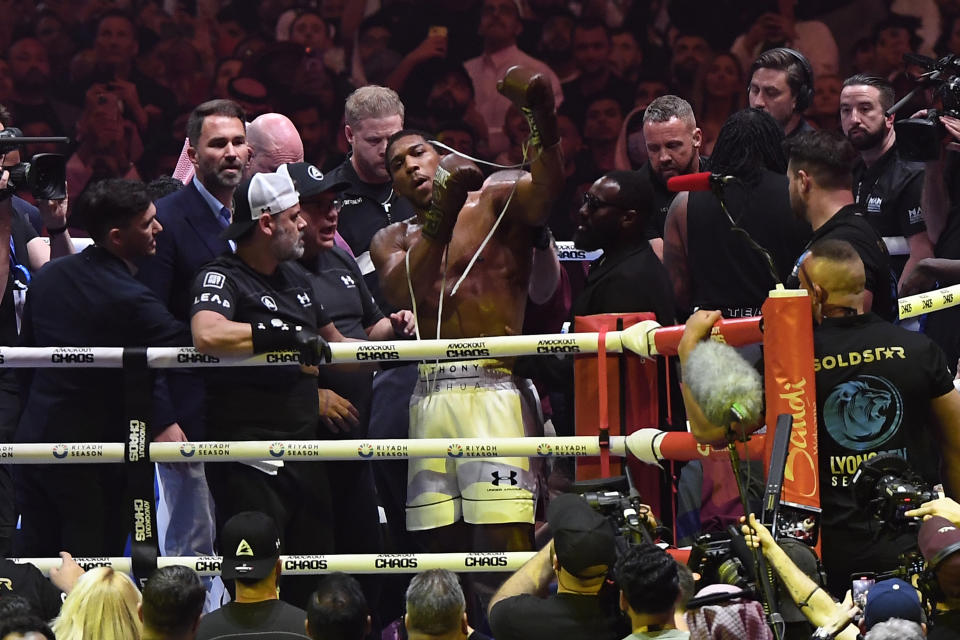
[[725, 386]]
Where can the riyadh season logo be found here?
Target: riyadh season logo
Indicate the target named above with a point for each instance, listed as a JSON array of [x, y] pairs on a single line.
[[187, 449], [455, 450], [365, 450], [276, 449], [544, 449], [60, 451]]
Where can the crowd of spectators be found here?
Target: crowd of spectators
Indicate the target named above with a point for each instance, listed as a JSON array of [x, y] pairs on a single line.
[[331, 116]]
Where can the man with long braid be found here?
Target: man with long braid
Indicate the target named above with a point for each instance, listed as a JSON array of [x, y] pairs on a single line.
[[712, 263], [429, 258]]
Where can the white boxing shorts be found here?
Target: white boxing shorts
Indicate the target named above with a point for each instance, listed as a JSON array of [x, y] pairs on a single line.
[[471, 399]]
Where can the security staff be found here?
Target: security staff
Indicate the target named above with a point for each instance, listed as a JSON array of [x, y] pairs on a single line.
[[371, 114], [254, 301], [88, 300]]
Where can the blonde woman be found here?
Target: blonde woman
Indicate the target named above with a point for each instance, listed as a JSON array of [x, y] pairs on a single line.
[[102, 606]]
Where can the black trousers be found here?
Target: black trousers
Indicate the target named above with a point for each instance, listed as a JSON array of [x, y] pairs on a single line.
[[9, 416], [299, 500], [77, 508]]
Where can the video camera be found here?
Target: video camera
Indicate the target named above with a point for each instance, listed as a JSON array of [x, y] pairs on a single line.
[[610, 498], [919, 138], [885, 487], [45, 176]]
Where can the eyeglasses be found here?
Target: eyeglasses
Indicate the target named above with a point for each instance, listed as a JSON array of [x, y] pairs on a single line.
[[593, 203]]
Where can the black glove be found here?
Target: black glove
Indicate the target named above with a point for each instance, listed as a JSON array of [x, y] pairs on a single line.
[[313, 349]]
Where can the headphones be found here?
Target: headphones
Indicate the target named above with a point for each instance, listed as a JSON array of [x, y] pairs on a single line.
[[805, 90]]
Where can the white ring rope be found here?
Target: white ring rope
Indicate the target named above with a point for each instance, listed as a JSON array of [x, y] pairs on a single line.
[[646, 444], [318, 450], [635, 339], [318, 564]]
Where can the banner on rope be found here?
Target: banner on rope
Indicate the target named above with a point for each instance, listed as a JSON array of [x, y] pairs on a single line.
[[320, 564]]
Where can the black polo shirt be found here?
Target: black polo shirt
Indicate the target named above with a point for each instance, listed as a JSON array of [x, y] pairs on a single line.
[[851, 225], [259, 403], [889, 192]]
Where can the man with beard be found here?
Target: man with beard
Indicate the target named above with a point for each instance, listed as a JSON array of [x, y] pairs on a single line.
[[591, 53], [192, 220], [30, 70], [602, 122], [258, 300], [888, 186], [673, 141], [437, 258], [690, 52], [450, 98], [819, 170], [500, 26]]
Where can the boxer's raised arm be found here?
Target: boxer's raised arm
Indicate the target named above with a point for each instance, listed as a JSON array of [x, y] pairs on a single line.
[[536, 191]]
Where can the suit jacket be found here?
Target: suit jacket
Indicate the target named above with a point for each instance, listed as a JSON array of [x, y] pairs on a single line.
[[190, 239]]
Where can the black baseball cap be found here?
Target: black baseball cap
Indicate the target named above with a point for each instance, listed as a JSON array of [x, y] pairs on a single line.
[[250, 543], [310, 181], [582, 538]]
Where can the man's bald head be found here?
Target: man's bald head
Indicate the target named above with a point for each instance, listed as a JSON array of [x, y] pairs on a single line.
[[834, 272], [273, 141]]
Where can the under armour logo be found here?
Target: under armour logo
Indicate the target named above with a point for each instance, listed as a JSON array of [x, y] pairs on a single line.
[[512, 478], [348, 281], [243, 549], [304, 299]]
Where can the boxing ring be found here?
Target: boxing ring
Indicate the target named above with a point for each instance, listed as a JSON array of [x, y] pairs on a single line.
[[785, 329]]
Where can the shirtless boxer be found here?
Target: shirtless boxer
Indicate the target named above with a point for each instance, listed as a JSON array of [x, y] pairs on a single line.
[[428, 254]]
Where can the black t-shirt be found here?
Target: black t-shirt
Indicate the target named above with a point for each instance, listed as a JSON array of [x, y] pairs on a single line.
[[259, 403], [874, 385], [662, 197], [347, 301], [890, 191], [612, 286], [564, 615], [945, 626], [340, 287], [27, 581], [367, 208], [726, 272], [849, 224], [252, 618]]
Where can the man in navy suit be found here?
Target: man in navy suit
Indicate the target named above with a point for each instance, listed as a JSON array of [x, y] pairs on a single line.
[[192, 220]]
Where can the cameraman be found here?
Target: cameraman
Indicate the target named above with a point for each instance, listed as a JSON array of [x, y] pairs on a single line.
[[25, 253], [900, 400], [815, 603], [580, 556]]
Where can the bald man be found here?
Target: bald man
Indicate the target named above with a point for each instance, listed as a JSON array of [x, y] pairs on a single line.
[[880, 389], [273, 141]]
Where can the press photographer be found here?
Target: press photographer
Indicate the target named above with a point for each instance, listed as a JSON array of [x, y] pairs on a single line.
[[579, 557]]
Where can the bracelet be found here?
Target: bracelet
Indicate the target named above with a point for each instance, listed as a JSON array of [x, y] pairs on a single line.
[[56, 232], [806, 601]]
